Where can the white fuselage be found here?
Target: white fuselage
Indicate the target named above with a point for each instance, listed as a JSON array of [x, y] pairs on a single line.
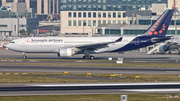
[[53, 44]]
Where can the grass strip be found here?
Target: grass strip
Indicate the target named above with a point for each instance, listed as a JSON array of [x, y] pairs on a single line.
[[92, 97], [157, 65], [13, 77]]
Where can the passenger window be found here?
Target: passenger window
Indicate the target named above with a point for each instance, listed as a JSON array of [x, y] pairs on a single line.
[[12, 42]]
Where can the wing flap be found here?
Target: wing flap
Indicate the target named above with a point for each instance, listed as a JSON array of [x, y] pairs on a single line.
[[95, 46]]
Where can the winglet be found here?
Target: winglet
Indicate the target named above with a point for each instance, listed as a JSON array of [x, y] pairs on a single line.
[[120, 39]]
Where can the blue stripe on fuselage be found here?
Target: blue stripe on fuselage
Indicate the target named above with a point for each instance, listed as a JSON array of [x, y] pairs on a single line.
[[136, 43]]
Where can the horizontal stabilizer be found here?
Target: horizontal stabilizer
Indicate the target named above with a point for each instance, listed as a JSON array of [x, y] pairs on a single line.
[[155, 40]]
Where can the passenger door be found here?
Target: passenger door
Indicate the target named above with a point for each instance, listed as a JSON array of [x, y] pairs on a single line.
[[137, 41]]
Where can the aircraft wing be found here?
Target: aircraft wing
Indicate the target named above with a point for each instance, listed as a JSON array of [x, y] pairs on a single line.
[[95, 46]]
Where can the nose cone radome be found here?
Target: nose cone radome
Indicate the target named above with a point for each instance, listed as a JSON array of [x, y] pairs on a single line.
[[8, 46]]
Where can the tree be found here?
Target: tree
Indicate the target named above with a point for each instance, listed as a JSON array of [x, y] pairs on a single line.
[[22, 31]]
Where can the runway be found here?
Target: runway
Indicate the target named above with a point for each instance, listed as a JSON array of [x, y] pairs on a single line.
[[106, 88], [89, 69], [92, 88], [127, 56]]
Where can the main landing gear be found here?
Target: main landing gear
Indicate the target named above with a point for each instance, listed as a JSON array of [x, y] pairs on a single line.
[[24, 56], [88, 57]]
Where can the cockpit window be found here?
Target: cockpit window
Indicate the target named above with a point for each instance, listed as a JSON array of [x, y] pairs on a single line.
[[12, 42]]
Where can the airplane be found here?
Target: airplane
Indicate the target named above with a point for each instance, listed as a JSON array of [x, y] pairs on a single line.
[[69, 46], [168, 46]]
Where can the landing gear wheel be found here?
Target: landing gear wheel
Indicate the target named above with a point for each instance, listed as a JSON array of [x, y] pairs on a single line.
[[92, 57], [178, 53], [88, 57], [24, 57], [85, 57], [169, 52]]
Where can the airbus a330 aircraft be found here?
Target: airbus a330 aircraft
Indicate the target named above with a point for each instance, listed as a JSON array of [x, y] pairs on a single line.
[[69, 46]]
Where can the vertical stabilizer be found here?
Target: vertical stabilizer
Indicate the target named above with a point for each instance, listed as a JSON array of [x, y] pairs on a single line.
[[160, 27]]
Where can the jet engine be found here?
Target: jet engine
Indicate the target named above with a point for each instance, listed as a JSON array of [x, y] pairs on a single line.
[[164, 48], [66, 52]]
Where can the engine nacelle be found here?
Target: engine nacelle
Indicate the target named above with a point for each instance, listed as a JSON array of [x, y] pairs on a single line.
[[164, 48], [66, 52], [161, 49]]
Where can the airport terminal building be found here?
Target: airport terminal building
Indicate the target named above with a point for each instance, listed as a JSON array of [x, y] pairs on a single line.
[[119, 17], [88, 16]]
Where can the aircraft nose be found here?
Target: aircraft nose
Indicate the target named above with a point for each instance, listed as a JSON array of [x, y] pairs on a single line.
[[7, 46]]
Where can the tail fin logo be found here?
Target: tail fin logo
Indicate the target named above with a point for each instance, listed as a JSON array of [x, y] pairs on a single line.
[[154, 30]]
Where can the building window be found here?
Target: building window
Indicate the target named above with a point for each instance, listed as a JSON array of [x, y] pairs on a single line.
[[135, 32], [99, 1], [119, 14], [109, 14], [104, 21], [104, 7], [22, 25], [114, 21], [144, 22], [84, 14], [89, 8], [74, 14], [79, 14], [69, 22], [84, 22], [99, 14], [119, 21], [79, 22], [9, 1], [177, 22], [99, 31], [94, 7], [89, 14], [94, 22], [89, 22], [14, 27], [114, 14], [21, 0], [104, 14], [124, 15], [3, 25], [74, 22], [124, 21], [94, 14], [99, 22], [33, 4], [178, 32], [42, 6], [112, 31], [79, 8], [69, 14], [109, 21]]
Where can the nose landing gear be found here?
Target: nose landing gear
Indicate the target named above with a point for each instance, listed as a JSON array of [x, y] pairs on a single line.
[[24, 56]]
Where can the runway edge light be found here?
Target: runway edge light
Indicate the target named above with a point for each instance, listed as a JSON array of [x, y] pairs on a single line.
[[88, 74], [112, 75], [65, 73]]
